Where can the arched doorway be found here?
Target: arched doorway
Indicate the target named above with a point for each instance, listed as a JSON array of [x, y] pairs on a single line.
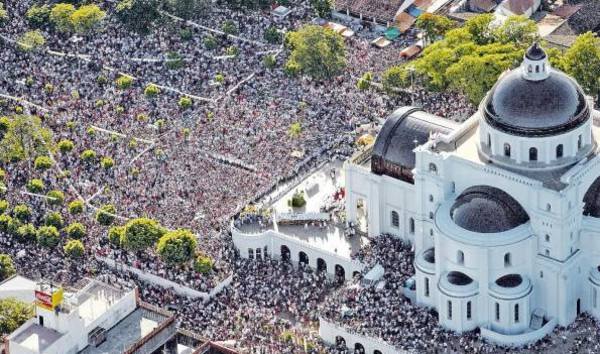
[[321, 265], [359, 349], [285, 253], [340, 273], [340, 342], [377, 352], [302, 258]]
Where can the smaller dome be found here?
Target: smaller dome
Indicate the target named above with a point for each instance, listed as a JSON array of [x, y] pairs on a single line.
[[535, 52], [485, 209], [459, 278]]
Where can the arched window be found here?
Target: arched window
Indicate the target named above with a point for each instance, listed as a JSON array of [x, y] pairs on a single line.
[[548, 207], [497, 312], [506, 149], [426, 287], [547, 253], [432, 168], [595, 298], [468, 310], [516, 313], [559, 151], [489, 140], [579, 142], [529, 69], [507, 260], [250, 253], [547, 238], [460, 257], [537, 68], [431, 215], [395, 219], [411, 225], [449, 309], [533, 154], [431, 198]]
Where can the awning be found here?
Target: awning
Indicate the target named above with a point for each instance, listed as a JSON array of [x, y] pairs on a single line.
[[392, 33]]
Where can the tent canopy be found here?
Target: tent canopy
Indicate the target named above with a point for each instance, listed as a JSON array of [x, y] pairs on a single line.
[[392, 33]]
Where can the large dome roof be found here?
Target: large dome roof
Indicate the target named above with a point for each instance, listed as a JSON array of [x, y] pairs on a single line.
[[528, 103], [486, 209]]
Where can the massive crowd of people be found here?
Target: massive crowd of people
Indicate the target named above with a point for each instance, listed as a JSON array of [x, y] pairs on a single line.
[[197, 167]]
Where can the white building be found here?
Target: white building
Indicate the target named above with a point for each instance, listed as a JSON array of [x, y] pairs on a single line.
[[502, 210]]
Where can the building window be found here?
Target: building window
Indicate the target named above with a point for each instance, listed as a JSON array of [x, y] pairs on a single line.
[[431, 198], [250, 253], [559, 151], [460, 257], [395, 219], [516, 313], [537, 68], [265, 249], [432, 168], [258, 253], [547, 238], [497, 312], [541, 274], [430, 232], [468, 310], [449, 309], [547, 253], [579, 142], [529, 68], [411, 225], [548, 207], [533, 154], [431, 215], [595, 298], [489, 140], [507, 260], [426, 287], [506, 150]]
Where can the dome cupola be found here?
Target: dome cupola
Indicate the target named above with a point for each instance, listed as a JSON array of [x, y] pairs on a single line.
[[535, 64]]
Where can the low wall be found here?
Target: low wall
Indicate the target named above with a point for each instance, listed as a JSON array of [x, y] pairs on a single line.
[[517, 340], [273, 240], [328, 331], [165, 283]]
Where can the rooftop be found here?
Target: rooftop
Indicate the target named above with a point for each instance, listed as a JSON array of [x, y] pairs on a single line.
[[36, 338], [96, 299]]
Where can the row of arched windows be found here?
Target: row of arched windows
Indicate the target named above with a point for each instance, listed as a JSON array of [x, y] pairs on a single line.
[[533, 152], [460, 258], [469, 310], [515, 315]]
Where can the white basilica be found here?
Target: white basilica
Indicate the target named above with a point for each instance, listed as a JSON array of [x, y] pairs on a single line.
[[503, 210]]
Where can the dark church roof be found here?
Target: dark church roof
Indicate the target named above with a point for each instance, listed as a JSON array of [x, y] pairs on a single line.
[[546, 107], [535, 52], [486, 209], [591, 200], [402, 131]]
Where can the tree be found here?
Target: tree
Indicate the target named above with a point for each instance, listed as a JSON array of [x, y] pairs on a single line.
[[38, 15], [55, 197], [76, 207], [35, 185], [138, 15], [151, 90], [272, 35], [54, 219], [74, 249], [115, 234], [76, 230], [3, 15], [203, 264], [365, 81], [13, 313], [434, 26], [295, 130], [480, 28], [26, 233], [517, 30], [65, 146], [31, 41], [177, 247], [140, 234], [22, 212], [7, 268], [88, 155], [318, 52], [229, 27], [107, 162], [24, 138], [48, 236], [185, 102], [3, 206], [86, 18], [582, 61], [106, 214], [395, 77], [60, 16], [322, 7], [42, 163]]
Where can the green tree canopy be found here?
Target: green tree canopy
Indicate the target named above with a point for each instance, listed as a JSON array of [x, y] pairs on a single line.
[[106, 214], [13, 313], [140, 234], [203, 264], [38, 15], [176, 247], [31, 41], [317, 51], [60, 16], [188, 8], [322, 7], [86, 18], [7, 267], [74, 249], [25, 138], [48, 236], [434, 26], [76, 230], [582, 61]]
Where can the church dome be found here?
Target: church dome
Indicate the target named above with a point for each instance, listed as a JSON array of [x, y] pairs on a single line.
[[485, 209], [536, 100]]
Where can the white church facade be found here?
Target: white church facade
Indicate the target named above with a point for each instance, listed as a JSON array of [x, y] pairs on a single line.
[[503, 210]]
